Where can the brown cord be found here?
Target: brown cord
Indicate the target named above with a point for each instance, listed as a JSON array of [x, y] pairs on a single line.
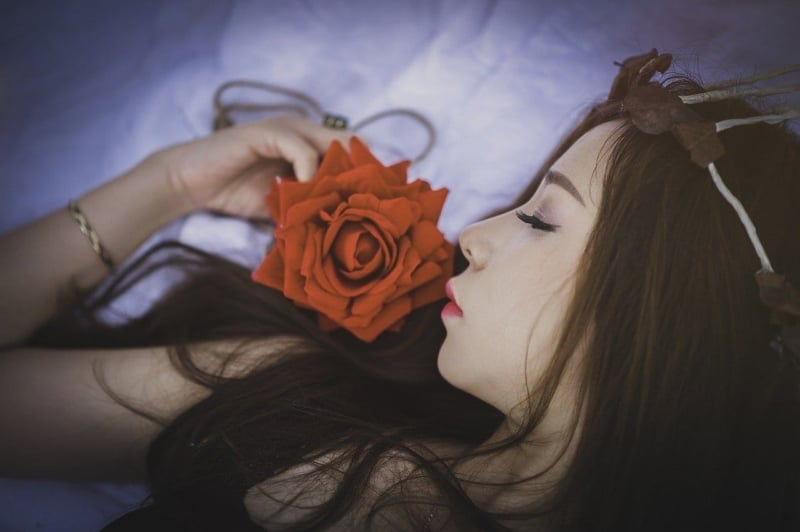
[[306, 107]]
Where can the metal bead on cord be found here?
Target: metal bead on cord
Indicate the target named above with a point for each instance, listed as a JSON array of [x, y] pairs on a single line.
[[307, 106], [654, 110]]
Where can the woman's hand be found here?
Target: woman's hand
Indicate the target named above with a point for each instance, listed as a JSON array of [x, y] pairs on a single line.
[[230, 170]]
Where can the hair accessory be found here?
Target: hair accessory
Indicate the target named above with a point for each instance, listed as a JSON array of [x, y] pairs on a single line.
[[86, 229], [637, 70], [307, 106], [654, 110]]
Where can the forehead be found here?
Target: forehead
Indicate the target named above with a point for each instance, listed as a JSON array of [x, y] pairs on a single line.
[[584, 163]]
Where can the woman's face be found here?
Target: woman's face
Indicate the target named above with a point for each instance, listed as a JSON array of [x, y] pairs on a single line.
[[520, 280]]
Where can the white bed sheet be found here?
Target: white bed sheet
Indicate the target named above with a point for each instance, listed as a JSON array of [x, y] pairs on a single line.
[[88, 88]]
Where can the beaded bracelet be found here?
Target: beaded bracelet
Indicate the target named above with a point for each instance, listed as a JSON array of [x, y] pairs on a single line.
[[86, 229]]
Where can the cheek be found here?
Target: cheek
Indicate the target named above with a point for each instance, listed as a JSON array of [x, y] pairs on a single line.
[[502, 347], [484, 355]]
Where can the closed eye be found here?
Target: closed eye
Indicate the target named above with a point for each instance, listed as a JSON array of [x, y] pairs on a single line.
[[536, 222]]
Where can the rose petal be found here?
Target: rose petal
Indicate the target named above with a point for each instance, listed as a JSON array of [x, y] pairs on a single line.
[[399, 213], [432, 203], [443, 253], [326, 324], [400, 170], [290, 192], [346, 246], [417, 187], [335, 161], [310, 241], [388, 247], [309, 209], [402, 212], [434, 291], [426, 238], [364, 201], [389, 177], [340, 284], [318, 268], [376, 262], [365, 258], [367, 306], [294, 285], [292, 241], [366, 250], [363, 180], [411, 261], [390, 314], [360, 154], [371, 303], [387, 226], [426, 272], [379, 227], [430, 292], [270, 271], [320, 298], [392, 273]]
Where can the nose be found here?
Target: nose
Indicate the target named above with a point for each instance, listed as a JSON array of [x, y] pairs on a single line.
[[475, 245]]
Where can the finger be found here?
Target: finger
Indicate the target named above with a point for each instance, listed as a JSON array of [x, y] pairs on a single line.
[[296, 149], [318, 135], [273, 142]]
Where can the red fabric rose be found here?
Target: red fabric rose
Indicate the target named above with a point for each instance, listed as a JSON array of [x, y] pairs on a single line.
[[357, 243]]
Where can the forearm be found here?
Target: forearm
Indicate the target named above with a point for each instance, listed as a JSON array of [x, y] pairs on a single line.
[[42, 262]]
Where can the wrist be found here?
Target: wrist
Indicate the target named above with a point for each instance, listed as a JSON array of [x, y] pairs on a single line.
[[126, 210], [169, 195]]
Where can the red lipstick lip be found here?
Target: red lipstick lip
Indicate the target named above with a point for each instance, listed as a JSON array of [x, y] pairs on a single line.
[[451, 308], [448, 289]]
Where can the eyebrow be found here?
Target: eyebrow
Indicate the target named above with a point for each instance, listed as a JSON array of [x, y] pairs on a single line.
[[557, 178]]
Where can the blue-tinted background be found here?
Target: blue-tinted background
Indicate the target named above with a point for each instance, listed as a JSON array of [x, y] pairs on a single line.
[[90, 87]]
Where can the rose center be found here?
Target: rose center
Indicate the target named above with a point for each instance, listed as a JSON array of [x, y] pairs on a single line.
[[357, 251]]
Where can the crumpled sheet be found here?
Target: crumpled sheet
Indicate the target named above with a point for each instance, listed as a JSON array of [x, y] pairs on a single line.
[[87, 89]]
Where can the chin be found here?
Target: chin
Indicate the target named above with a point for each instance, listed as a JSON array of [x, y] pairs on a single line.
[[443, 362], [453, 369], [456, 368]]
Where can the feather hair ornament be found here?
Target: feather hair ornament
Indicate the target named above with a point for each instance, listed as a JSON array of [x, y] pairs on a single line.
[[655, 110]]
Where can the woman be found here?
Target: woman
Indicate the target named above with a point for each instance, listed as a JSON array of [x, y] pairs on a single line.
[[608, 324]]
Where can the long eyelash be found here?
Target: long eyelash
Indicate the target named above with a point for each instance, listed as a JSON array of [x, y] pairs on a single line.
[[536, 222]]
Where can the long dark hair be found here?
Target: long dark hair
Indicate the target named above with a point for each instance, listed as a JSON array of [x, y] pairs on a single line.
[[324, 393], [688, 417]]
